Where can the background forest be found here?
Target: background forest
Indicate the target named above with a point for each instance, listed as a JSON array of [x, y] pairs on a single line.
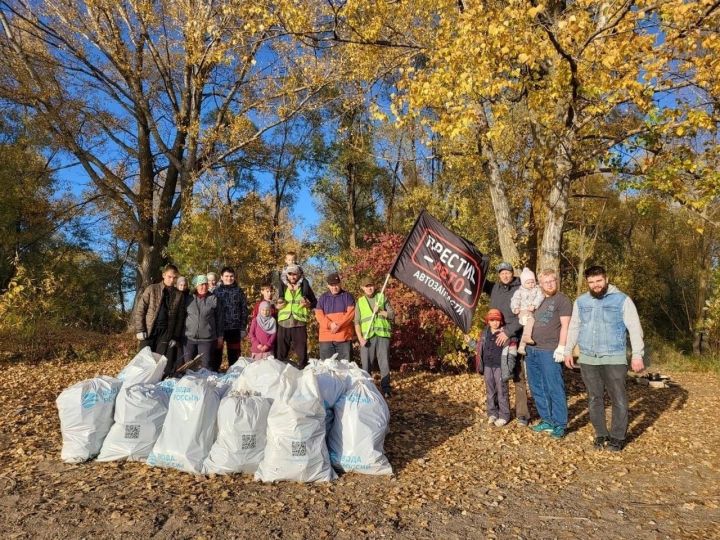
[[209, 132]]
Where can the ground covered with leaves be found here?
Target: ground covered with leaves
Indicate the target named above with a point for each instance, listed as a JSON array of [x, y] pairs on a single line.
[[455, 476]]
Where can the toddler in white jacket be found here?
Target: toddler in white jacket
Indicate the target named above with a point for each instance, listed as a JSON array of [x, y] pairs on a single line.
[[525, 300]]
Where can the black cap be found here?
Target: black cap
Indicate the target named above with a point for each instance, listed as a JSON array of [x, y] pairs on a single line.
[[333, 279]]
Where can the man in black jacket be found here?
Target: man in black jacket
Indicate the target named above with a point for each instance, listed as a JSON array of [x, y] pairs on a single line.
[[500, 294], [235, 317]]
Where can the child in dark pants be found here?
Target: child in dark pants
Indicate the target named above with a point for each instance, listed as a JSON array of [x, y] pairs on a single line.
[[496, 363]]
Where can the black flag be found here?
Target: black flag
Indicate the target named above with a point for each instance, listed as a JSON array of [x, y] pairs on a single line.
[[445, 268]]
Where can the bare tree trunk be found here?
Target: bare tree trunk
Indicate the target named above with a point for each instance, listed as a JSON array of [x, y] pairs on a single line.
[[704, 271], [498, 196], [351, 207], [557, 206], [501, 206], [533, 234]]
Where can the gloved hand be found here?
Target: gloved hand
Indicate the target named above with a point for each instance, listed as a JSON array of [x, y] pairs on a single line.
[[140, 336], [559, 354], [172, 344]]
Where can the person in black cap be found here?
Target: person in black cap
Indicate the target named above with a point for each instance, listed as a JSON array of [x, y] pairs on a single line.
[[335, 313], [373, 325], [501, 293]]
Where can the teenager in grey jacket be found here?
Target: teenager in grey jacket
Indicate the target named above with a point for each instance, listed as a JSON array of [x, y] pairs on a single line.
[[203, 322]]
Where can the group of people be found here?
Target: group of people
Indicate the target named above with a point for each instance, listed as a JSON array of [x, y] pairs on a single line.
[[542, 324], [181, 323], [526, 320]]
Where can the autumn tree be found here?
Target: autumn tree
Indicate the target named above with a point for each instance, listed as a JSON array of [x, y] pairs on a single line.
[[350, 189], [148, 96]]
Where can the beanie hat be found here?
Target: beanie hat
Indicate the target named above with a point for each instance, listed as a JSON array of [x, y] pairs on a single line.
[[527, 274], [494, 315], [199, 280]]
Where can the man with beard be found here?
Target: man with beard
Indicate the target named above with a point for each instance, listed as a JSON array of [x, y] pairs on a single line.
[[601, 320], [544, 358], [295, 300], [500, 295]]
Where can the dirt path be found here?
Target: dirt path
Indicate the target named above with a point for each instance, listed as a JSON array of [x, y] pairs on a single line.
[[455, 477]]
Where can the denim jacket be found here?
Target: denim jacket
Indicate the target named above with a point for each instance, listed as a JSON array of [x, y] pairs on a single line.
[[602, 328]]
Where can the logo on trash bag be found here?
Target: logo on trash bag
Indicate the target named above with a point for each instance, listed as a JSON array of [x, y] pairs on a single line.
[[89, 400]]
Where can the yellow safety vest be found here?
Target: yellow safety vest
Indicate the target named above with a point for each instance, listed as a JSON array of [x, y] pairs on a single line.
[[293, 307], [380, 325]]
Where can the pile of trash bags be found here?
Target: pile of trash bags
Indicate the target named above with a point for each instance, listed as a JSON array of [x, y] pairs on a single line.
[[264, 418]]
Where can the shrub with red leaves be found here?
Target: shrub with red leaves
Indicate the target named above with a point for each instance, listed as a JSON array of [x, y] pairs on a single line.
[[419, 326]]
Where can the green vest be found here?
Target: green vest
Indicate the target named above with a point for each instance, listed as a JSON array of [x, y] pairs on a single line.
[[293, 307], [380, 325]]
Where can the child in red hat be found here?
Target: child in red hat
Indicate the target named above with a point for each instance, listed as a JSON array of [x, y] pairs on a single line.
[[496, 363]]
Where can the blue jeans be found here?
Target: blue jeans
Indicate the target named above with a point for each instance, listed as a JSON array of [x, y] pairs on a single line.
[[547, 386]]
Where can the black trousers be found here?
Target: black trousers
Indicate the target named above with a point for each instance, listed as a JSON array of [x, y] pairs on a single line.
[[292, 339], [158, 341]]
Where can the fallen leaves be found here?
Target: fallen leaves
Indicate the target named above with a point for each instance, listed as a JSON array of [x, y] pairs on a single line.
[[455, 475]]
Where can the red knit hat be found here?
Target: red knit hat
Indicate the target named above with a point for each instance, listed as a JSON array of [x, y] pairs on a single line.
[[495, 315]]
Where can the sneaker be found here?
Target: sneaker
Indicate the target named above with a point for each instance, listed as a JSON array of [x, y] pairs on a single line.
[[521, 349], [491, 419], [558, 432], [615, 445], [542, 426], [523, 421], [599, 442], [500, 422]]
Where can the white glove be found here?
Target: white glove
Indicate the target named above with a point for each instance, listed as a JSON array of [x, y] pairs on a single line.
[[140, 336], [559, 354], [172, 343]]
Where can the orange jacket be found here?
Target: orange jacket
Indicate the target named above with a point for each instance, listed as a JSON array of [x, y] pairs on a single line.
[[344, 318]]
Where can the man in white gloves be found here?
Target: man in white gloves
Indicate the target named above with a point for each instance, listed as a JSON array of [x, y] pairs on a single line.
[[602, 319], [544, 359], [159, 317]]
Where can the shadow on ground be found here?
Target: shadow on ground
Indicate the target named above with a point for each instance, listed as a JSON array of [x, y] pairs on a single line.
[[647, 404]]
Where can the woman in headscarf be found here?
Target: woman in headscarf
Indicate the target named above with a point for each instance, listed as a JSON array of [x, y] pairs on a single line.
[[263, 332], [203, 322]]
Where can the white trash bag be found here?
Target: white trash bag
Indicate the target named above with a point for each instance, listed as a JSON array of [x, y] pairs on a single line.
[[190, 427], [86, 414], [296, 448], [331, 385], [349, 371], [139, 419], [146, 367], [225, 381], [357, 437], [242, 426], [263, 377], [239, 365]]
